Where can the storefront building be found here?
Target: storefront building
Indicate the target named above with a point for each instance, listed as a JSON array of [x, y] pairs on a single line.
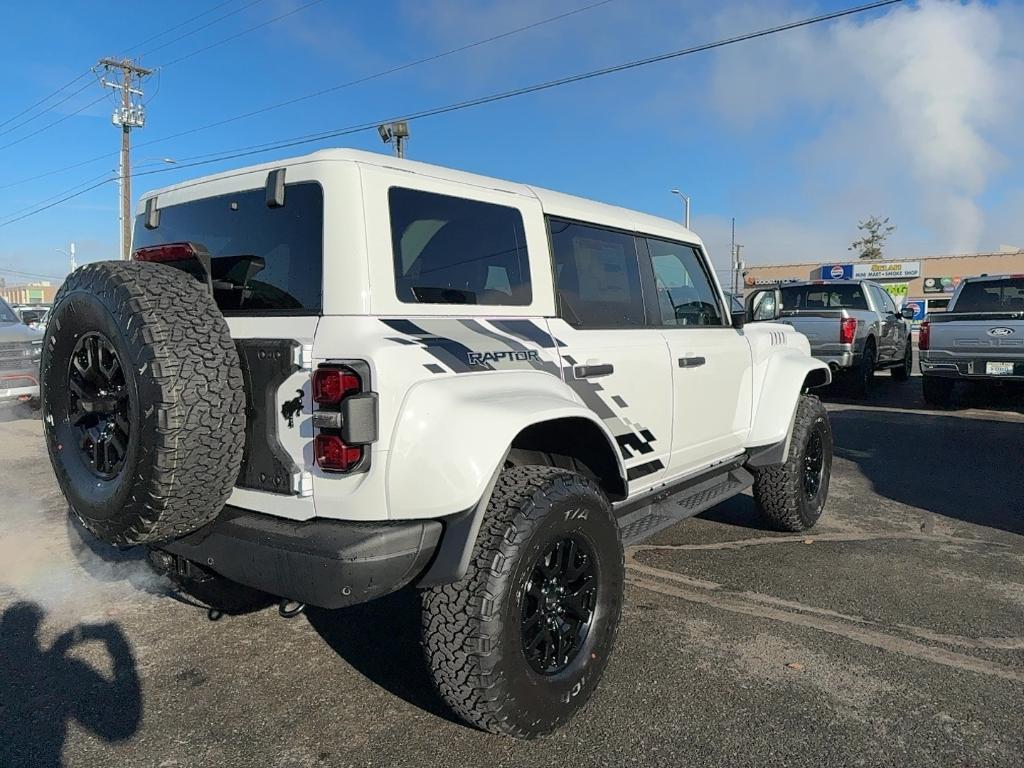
[[31, 294], [925, 283]]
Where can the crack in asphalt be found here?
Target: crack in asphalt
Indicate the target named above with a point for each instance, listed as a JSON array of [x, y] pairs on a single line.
[[823, 537]]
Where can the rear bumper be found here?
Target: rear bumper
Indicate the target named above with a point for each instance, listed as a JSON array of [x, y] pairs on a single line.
[[19, 385], [969, 367], [837, 359], [325, 563]]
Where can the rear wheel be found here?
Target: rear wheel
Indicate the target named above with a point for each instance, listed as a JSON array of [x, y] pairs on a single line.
[[865, 372], [937, 391], [792, 495], [519, 644], [902, 371]]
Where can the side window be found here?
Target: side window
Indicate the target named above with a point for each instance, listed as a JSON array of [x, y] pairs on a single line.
[[452, 250], [597, 276], [686, 296]]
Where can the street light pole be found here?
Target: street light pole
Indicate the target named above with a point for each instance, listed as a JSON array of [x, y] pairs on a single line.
[[686, 205]]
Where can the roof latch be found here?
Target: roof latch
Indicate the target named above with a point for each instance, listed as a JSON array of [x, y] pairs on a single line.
[[275, 188]]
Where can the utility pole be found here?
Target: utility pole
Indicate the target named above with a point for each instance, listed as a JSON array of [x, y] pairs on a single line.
[[737, 268], [128, 115]]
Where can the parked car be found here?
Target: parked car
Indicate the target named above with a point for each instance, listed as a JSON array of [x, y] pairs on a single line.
[[20, 350], [979, 338], [456, 382], [853, 325]]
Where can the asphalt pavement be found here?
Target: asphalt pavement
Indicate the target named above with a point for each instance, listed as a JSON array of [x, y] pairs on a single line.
[[892, 634]]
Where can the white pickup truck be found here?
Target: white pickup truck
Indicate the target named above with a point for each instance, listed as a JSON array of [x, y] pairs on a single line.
[[979, 338]]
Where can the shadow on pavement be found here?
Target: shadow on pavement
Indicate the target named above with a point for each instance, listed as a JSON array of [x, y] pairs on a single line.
[[738, 511], [956, 466], [381, 640], [42, 690]]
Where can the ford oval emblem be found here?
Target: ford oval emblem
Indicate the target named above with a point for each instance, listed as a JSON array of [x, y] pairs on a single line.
[[1002, 331]]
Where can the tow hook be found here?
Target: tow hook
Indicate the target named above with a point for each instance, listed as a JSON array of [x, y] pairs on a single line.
[[289, 609]]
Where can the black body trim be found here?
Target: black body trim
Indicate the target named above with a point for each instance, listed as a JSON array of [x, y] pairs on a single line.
[[266, 364], [321, 562]]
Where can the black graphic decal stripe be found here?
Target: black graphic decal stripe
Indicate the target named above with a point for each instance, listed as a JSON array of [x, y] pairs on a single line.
[[526, 329], [448, 351], [632, 441], [547, 366], [641, 470]]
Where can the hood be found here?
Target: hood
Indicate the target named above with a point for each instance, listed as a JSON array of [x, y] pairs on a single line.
[[18, 332]]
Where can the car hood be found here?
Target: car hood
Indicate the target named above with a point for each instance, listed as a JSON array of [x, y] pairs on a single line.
[[18, 332]]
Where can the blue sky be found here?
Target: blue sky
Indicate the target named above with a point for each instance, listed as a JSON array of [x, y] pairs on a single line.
[[911, 111]]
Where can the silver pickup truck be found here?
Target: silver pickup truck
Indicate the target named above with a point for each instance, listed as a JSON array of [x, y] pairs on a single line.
[[853, 325], [980, 337], [20, 350]]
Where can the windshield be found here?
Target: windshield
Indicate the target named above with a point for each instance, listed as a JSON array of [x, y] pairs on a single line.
[[7, 314], [825, 296], [263, 260], [992, 296]]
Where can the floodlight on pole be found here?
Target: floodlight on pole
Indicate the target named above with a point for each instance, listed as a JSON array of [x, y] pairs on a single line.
[[686, 204], [396, 132]]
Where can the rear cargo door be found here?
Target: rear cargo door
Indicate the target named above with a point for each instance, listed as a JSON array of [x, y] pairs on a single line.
[[263, 259]]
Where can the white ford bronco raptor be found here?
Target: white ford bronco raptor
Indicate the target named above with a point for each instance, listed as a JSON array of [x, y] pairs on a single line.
[[333, 377]]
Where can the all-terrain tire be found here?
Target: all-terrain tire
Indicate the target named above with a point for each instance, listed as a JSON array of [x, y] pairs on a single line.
[[473, 630], [781, 493], [161, 365], [937, 391], [864, 374], [902, 371]]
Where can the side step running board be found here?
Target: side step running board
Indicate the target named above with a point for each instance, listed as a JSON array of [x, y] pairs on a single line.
[[637, 525]]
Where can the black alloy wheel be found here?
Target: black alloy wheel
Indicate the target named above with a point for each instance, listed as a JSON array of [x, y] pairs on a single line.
[[557, 607], [814, 462], [99, 405]]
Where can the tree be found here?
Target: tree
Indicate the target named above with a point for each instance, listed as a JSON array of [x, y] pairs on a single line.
[[874, 231]]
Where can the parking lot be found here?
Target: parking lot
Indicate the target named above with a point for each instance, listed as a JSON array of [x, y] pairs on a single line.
[[893, 634]]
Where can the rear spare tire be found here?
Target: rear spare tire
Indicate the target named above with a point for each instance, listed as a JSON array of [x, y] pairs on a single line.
[[143, 401]]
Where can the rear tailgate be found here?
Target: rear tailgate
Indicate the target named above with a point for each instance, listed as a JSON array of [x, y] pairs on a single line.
[[821, 329], [976, 340]]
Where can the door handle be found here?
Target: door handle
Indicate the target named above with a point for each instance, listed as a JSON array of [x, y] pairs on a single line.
[[691, 362], [593, 371]]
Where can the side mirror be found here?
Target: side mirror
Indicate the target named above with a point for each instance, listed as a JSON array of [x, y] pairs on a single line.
[[907, 313], [764, 305], [738, 319]]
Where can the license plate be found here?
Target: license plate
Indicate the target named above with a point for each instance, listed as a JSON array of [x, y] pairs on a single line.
[[999, 369]]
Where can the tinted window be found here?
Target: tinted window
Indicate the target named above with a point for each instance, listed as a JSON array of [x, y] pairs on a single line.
[[685, 295], [264, 260], [7, 314], [825, 296], [449, 250], [597, 276], [991, 296]]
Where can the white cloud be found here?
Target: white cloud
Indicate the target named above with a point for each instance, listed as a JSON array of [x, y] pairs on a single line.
[[905, 115]]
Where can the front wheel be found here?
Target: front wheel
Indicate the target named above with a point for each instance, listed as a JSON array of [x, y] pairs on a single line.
[[519, 644], [791, 496]]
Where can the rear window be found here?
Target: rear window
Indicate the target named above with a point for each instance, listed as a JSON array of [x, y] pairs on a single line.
[[991, 296], [264, 260], [7, 314], [452, 250], [829, 296]]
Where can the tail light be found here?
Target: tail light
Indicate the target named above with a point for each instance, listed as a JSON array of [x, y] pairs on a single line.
[[331, 385], [162, 254], [847, 330], [346, 417], [924, 337], [335, 454]]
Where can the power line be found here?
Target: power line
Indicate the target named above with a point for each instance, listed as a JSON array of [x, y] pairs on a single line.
[[199, 28], [229, 38], [64, 199], [46, 127], [46, 98], [8, 271], [364, 79], [105, 175], [176, 27], [377, 75], [460, 105]]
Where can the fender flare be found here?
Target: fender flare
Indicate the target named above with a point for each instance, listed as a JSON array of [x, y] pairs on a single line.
[[487, 412], [788, 375]]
